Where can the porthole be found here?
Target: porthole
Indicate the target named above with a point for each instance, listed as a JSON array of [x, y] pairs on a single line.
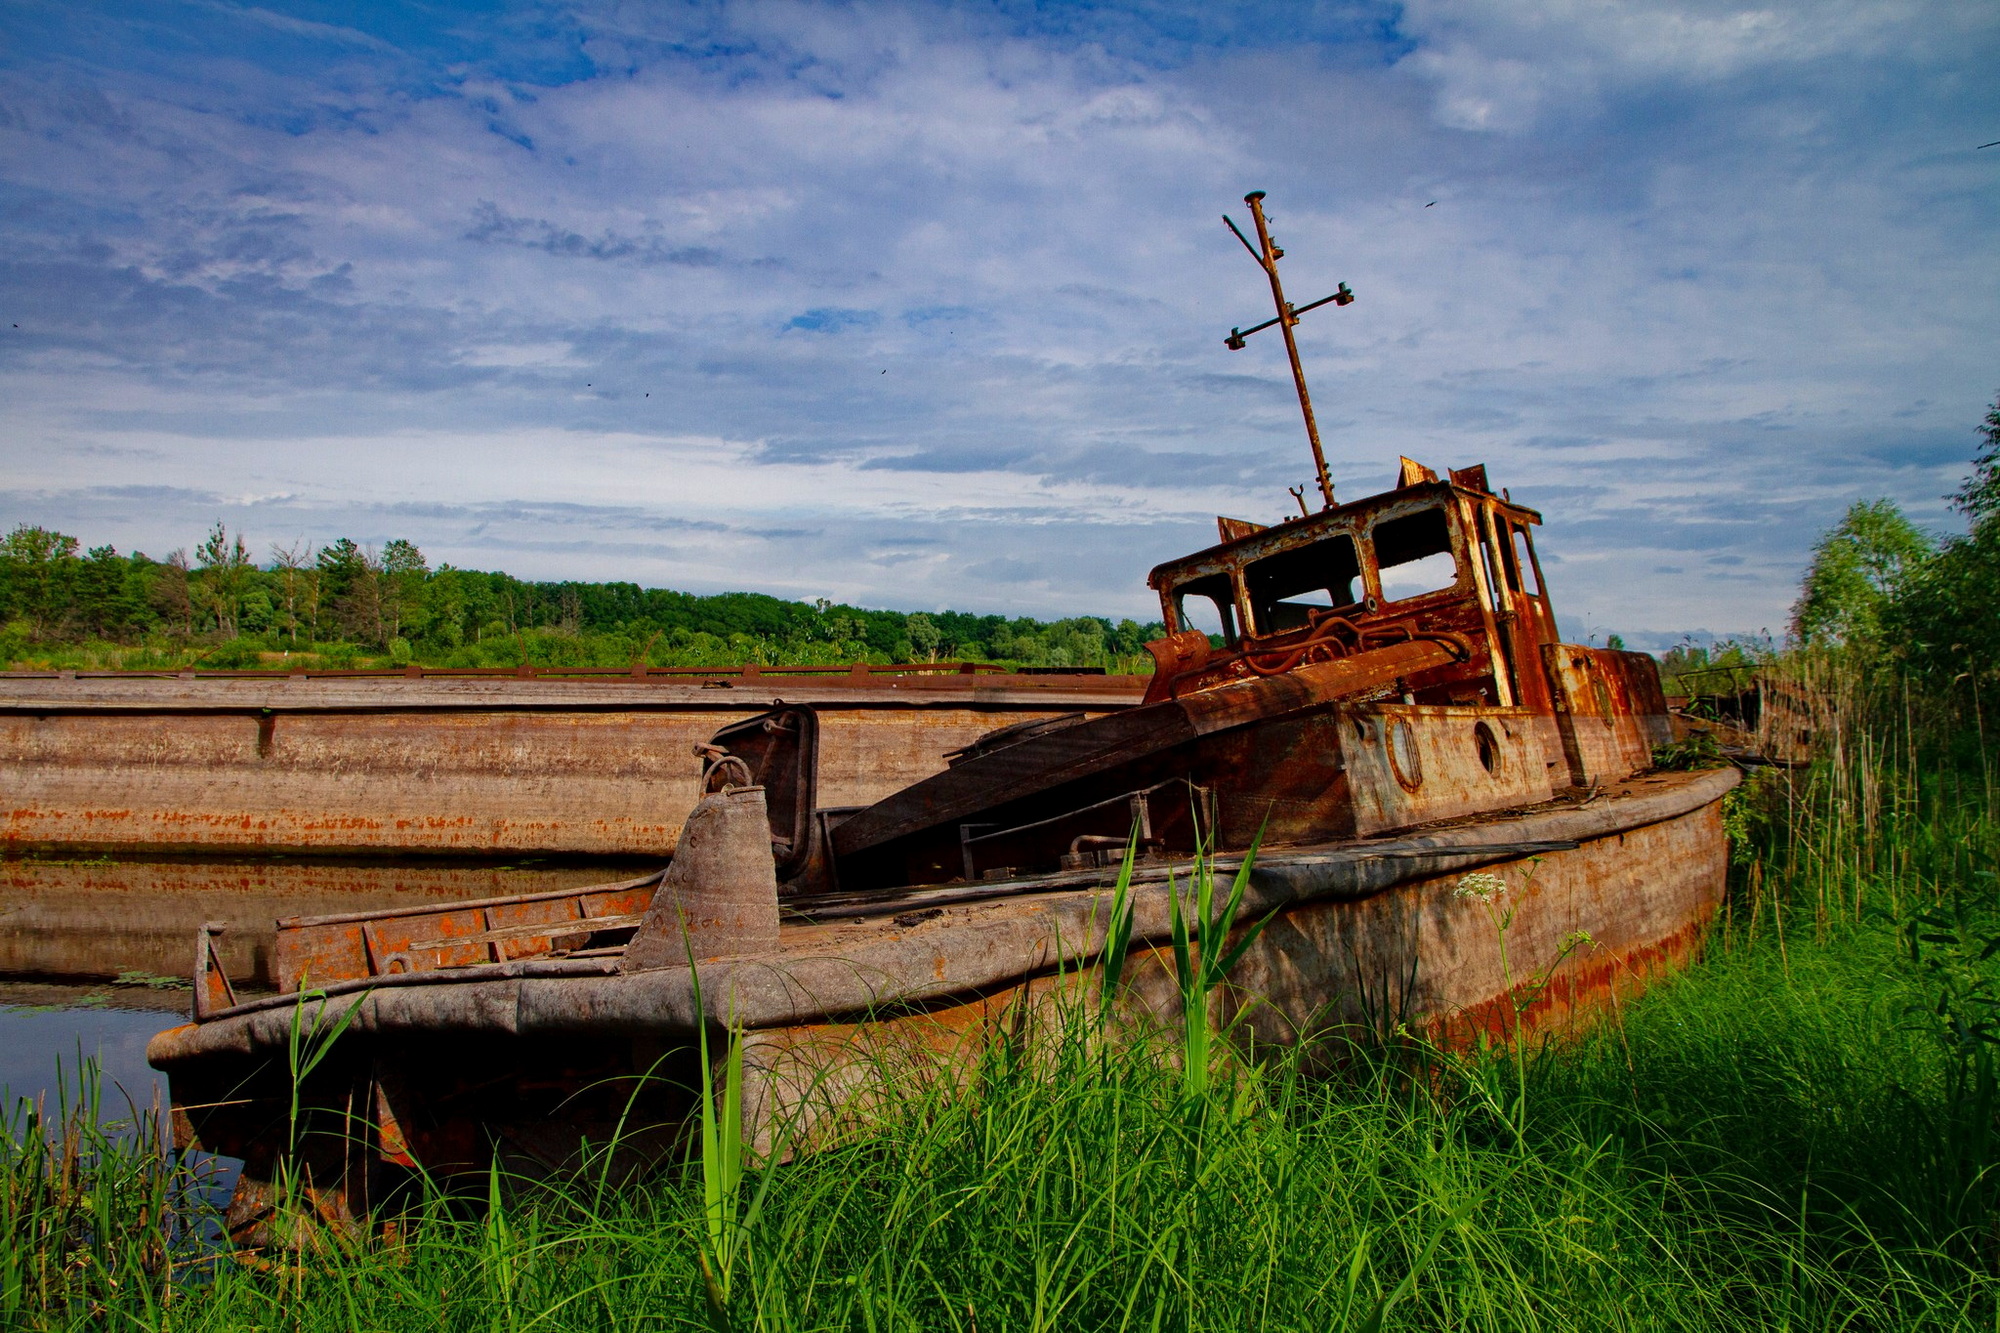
[[1490, 757], [1400, 739]]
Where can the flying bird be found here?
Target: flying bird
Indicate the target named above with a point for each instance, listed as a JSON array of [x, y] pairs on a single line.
[[1432, 204], [1994, 144]]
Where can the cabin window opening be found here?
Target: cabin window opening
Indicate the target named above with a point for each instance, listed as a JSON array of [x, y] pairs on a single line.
[[1413, 554], [1524, 560], [1510, 566], [1208, 605], [1286, 588]]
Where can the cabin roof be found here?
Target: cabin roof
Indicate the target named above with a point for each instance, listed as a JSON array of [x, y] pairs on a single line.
[[1293, 532]]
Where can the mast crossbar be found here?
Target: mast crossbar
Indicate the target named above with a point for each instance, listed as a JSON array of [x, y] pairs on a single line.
[[1267, 255]]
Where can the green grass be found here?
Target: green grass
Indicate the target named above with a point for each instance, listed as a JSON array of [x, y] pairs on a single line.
[[1797, 1133]]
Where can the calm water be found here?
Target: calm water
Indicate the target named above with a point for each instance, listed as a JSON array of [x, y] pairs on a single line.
[[45, 1030]]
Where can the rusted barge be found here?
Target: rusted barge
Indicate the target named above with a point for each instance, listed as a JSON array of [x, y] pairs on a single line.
[[1389, 707], [429, 763]]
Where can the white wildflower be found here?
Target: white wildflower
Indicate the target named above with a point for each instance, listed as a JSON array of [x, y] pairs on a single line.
[[1482, 885]]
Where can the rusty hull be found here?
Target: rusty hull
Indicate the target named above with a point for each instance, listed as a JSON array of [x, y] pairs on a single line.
[[451, 765], [1337, 966], [535, 1055]]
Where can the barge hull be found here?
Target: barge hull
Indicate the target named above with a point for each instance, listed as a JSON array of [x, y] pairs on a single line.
[[437, 766]]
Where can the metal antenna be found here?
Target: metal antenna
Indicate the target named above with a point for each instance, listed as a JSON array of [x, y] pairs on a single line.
[[1267, 256]]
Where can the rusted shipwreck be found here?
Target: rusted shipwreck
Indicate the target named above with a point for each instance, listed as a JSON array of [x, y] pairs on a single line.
[[1383, 699]]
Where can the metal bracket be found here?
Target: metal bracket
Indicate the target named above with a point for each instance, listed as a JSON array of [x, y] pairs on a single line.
[[212, 991]]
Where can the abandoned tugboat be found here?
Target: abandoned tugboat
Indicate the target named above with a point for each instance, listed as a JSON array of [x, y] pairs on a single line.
[[1373, 695]]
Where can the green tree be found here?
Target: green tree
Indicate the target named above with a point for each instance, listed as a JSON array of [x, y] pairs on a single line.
[[298, 590], [449, 602], [223, 577], [344, 597], [37, 572], [171, 594], [111, 591], [1858, 569], [1979, 498], [924, 636], [1947, 617], [352, 589], [403, 573]]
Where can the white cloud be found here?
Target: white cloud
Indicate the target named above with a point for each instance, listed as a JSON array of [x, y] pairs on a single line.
[[1501, 63]]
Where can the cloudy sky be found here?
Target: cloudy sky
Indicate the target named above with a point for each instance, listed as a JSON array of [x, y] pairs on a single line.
[[922, 305]]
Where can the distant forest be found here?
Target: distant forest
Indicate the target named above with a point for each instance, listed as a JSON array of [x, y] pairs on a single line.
[[348, 605]]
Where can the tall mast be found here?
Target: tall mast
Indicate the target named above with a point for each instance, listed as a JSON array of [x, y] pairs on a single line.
[[1267, 255]]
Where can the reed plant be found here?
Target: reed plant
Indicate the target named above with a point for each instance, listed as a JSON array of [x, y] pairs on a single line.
[[99, 1219], [1207, 945], [1752, 1150]]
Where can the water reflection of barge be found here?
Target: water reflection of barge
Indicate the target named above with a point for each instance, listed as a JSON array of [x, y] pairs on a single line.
[[1389, 703]]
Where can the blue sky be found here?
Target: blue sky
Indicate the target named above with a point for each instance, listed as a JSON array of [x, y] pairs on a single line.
[[922, 305]]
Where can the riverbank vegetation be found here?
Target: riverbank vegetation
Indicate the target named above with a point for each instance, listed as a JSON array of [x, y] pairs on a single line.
[[347, 605]]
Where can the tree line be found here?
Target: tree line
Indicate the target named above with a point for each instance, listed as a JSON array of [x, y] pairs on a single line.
[[346, 603]]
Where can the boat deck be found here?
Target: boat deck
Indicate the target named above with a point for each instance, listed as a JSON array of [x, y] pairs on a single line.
[[916, 948]]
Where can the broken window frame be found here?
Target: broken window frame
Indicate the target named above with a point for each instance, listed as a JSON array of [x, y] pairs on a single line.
[[1263, 608], [1224, 594], [1454, 542], [1521, 545]]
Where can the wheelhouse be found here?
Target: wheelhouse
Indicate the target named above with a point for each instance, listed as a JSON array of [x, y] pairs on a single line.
[[1428, 558]]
